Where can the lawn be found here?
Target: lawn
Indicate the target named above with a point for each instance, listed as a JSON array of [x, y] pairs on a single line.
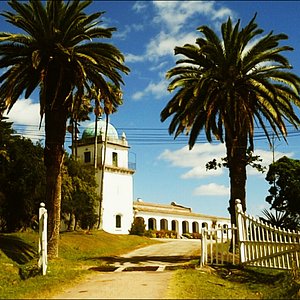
[[77, 252], [233, 283]]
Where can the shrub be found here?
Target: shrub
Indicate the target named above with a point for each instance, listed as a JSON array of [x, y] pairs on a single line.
[[138, 227]]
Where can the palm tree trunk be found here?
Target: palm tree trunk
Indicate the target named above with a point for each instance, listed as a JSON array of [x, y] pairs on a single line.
[[96, 143], [55, 129], [75, 140], [100, 213], [236, 154]]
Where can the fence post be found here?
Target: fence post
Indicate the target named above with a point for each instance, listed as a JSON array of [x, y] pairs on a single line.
[[241, 229], [203, 260], [43, 261]]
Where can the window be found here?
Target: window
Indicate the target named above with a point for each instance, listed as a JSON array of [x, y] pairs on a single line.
[[118, 221], [115, 159], [87, 157]]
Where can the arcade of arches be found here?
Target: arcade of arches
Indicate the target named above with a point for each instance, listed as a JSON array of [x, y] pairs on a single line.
[[176, 218]]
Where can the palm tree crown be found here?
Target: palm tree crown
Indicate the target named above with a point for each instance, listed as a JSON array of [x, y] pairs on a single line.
[[226, 86], [57, 36]]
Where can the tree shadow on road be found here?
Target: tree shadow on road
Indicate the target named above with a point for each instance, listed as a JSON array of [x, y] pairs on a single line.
[[140, 259]]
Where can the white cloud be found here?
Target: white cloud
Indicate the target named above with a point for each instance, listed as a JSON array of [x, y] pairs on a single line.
[[139, 6], [157, 90], [25, 112], [211, 189], [267, 159], [138, 95], [164, 43], [196, 159], [175, 14], [133, 58], [176, 22]]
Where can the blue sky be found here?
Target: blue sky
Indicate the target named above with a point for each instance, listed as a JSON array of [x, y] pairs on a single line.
[[147, 33]]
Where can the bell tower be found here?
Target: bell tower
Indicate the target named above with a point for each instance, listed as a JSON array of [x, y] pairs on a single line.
[[117, 203]]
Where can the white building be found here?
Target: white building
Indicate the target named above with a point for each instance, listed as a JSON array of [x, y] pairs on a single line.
[[118, 175], [119, 209]]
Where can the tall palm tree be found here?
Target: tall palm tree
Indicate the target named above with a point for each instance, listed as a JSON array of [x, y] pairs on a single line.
[[107, 106], [226, 86], [59, 53], [78, 114]]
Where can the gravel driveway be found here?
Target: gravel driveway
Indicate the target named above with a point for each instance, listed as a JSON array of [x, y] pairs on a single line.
[[141, 274]]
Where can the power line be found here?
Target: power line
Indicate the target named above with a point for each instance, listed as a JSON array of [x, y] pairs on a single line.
[[147, 136]]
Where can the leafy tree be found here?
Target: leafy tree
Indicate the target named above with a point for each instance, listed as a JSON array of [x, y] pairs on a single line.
[[22, 180], [57, 51], [225, 86], [284, 178], [79, 195]]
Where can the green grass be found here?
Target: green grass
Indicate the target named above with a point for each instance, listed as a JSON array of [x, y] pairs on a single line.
[[77, 252], [233, 283]]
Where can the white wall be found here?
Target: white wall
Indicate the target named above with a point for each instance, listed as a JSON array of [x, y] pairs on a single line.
[[117, 200]]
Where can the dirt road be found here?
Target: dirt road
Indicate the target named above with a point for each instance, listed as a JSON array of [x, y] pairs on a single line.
[[140, 274]]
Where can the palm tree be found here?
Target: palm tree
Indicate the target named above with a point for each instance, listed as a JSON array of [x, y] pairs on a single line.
[[78, 114], [226, 86], [58, 52], [107, 106]]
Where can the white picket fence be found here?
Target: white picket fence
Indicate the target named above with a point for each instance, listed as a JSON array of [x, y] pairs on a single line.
[[259, 244], [43, 261], [263, 245], [215, 244]]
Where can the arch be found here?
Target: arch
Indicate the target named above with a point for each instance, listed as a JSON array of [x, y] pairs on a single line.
[[185, 227], [175, 225], [163, 224], [195, 226], [151, 224]]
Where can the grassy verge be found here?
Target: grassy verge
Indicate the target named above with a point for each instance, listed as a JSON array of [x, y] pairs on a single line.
[[19, 277], [233, 283]]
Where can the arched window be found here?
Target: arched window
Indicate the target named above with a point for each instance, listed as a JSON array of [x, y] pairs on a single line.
[[195, 227], [174, 225], [163, 224], [118, 221], [185, 227], [151, 224]]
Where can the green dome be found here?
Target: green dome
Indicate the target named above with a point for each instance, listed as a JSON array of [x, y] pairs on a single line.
[[89, 132]]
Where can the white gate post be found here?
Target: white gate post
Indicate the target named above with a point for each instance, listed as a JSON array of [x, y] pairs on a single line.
[[43, 261], [203, 260], [241, 229]]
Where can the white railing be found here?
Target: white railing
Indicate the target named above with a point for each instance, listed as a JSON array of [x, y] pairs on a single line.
[[43, 261], [261, 244], [215, 245]]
